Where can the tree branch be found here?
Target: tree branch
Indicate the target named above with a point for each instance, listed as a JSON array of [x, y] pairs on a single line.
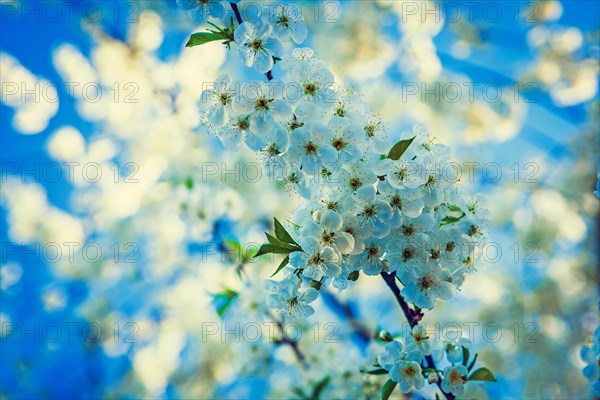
[[413, 316], [360, 330], [236, 11], [292, 343]]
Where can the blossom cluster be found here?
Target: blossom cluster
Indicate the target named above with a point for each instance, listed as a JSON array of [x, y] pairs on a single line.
[[403, 361], [260, 41], [367, 209]]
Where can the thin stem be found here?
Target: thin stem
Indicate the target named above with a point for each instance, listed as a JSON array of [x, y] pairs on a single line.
[[336, 305], [284, 339], [292, 343], [413, 316], [238, 17], [236, 11]]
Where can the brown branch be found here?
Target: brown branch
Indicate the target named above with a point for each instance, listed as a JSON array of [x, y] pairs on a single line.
[[413, 316]]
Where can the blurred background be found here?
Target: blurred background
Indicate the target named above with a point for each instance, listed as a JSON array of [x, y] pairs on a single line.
[[125, 240]]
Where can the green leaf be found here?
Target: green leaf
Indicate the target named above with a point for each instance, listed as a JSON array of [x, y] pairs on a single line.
[[200, 38], [482, 374], [319, 388], [189, 182], [353, 276], [235, 252], [399, 149], [282, 234], [472, 364], [387, 389], [223, 300], [465, 356], [233, 245], [285, 262], [454, 208], [272, 249], [451, 220], [276, 242], [378, 371]]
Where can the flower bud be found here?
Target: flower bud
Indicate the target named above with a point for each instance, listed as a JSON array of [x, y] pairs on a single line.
[[317, 215], [385, 336], [433, 378]]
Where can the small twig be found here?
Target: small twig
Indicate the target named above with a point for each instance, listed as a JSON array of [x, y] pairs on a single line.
[[359, 328], [413, 316], [236, 11], [292, 343]]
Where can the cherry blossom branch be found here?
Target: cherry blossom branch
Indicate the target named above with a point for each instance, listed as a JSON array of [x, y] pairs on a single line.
[[238, 17], [413, 316]]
